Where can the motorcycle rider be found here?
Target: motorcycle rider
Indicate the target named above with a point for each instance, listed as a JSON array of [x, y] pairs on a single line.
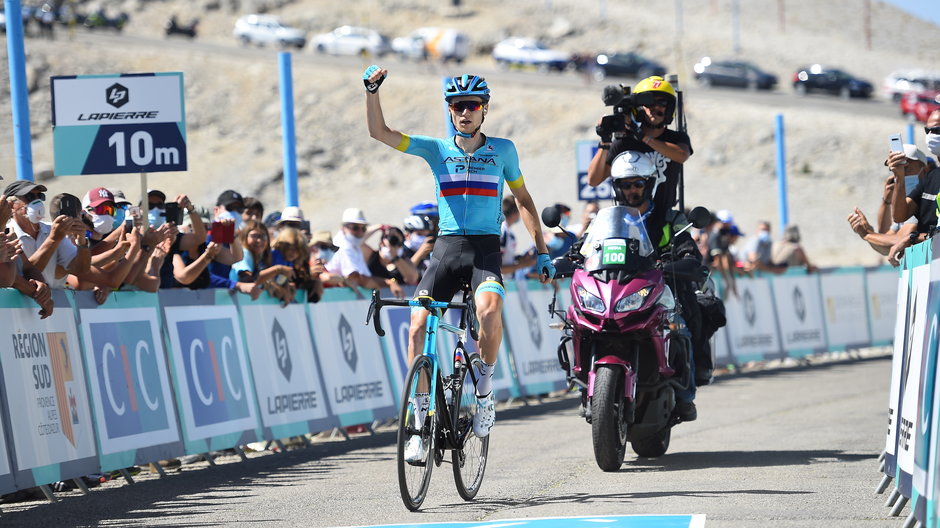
[[635, 180]]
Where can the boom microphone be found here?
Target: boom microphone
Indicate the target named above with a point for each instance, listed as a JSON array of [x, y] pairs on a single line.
[[613, 94]]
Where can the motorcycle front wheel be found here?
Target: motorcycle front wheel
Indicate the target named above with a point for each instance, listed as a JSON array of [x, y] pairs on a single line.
[[608, 427]]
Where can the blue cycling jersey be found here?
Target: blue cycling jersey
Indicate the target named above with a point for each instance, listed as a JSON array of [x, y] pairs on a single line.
[[469, 188]]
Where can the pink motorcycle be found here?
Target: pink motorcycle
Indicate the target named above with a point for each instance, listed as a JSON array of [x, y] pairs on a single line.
[[630, 344]]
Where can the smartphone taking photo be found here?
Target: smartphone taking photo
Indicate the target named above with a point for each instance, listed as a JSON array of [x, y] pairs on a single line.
[[173, 213], [895, 143], [223, 232]]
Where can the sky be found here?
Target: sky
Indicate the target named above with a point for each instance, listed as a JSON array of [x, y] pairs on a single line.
[[926, 9]]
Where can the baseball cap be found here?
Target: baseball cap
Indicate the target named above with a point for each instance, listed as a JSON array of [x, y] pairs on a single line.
[[96, 197], [735, 230], [291, 214], [724, 216], [23, 187], [914, 153], [229, 197], [119, 198], [425, 208], [155, 192], [353, 215]]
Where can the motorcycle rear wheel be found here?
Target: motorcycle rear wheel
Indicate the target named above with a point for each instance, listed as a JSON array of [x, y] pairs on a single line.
[[608, 427], [654, 445]]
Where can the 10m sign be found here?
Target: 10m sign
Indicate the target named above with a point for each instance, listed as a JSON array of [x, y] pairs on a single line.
[[141, 150]]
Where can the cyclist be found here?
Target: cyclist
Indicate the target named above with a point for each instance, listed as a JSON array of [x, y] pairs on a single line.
[[469, 170]]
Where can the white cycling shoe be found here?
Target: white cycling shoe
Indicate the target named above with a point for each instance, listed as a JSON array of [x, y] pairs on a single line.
[[485, 416], [415, 450]]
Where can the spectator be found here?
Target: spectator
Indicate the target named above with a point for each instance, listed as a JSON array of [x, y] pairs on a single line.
[[389, 262], [510, 260], [788, 252], [61, 244], [293, 216], [228, 208], [349, 261], [179, 242], [720, 240], [123, 207], [256, 266], [560, 240], [254, 209], [921, 202], [587, 216], [290, 249], [758, 251], [419, 242], [322, 250]]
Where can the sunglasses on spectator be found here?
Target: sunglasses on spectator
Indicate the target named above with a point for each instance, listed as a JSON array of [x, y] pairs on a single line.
[[235, 207], [472, 106], [932, 130], [157, 205], [632, 185], [291, 223], [31, 197], [356, 227], [104, 209]]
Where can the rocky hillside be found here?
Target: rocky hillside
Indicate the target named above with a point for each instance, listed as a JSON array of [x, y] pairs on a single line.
[[834, 152]]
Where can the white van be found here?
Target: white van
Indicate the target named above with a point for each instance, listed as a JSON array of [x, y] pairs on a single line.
[[442, 44]]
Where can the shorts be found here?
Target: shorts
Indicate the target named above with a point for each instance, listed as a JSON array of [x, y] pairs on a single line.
[[459, 259]]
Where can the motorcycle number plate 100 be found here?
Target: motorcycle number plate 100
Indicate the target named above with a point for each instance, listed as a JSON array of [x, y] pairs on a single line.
[[614, 251]]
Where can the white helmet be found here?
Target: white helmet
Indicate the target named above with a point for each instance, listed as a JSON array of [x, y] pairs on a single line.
[[632, 164], [417, 223]]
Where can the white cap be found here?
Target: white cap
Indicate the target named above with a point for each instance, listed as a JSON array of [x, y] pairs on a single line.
[[724, 216], [291, 214], [351, 216]]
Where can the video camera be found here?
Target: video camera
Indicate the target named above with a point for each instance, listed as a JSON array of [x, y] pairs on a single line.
[[624, 102]]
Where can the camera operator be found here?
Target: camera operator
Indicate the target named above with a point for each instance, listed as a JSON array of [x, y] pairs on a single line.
[[639, 124]]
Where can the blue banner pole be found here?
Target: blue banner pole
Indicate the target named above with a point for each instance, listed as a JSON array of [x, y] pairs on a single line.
[[781, 172], [19, 97], [449, 129], [910, 132], [287, 129]]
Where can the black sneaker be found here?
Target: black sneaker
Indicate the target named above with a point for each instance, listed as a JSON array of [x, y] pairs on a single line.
[[686, 411], [703, 377]]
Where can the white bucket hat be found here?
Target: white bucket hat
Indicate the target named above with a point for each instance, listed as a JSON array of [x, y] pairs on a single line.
[[354, 216]]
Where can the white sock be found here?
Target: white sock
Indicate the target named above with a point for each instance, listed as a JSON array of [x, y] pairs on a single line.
[[422, 402], [484, 373]]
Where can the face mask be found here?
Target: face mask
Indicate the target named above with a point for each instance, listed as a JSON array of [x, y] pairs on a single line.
[[564, 220], [910, 182], [118, 218], [326, 254], [555, 243], [35, 211], [415, 241], [387, 253], [933, 143], [353, 240], [235, 217], [155, 217], [763, 236], [102, 223]]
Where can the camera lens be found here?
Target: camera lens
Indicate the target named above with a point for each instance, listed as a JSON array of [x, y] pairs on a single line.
[[394, 241]]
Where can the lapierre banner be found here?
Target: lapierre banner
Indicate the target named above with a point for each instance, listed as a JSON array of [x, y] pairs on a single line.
[[882, 287], [214, 387], [802, 329], [288, 380], [45, 392], [108, 124], [533, 344], [354, 368], [135, 414], [845, 308], [752, 321]]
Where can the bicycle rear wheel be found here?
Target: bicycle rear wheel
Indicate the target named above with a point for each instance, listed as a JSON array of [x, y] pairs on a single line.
[[470, 461], [414, 477]]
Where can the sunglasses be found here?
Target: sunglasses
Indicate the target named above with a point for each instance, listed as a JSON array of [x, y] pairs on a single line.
[[235, 208], [104, 209], [31, 197], [932, 130], [661, 102], [356, 227], [157, 205], [632, 185], [472, 106]]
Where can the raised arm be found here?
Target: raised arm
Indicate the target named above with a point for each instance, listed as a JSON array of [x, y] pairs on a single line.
[[373, 78]]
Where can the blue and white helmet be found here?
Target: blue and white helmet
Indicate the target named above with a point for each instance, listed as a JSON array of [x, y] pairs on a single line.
[[466, 84]]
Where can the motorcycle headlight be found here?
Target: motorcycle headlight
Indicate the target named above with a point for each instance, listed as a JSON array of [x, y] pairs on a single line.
[[633, 301], [590, 302]]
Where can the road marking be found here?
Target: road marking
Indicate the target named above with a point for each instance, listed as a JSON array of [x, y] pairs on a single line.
[[611, 521]]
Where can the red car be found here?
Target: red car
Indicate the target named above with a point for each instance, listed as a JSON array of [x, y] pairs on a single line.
[[920, 104]]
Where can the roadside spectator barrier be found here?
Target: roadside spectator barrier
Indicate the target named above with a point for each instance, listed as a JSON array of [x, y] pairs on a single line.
[[146, 377]]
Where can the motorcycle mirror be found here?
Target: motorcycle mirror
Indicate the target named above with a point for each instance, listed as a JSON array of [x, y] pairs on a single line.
[[700, 217], [551, 216]]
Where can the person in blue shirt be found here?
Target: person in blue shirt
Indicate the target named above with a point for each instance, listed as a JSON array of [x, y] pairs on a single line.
[[470, 170]]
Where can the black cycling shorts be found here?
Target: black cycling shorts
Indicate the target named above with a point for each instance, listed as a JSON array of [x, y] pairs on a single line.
[[459, 259]]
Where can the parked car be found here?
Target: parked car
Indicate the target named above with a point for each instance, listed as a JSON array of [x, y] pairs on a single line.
[[523, 52], [351, 40], [830, 80], [903, 82], [268, 29], [738, 74], [920, 104], [433, 43], [625, 64]]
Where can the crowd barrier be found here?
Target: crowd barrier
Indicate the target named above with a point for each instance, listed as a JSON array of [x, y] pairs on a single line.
[[910, 458], [144, 377]]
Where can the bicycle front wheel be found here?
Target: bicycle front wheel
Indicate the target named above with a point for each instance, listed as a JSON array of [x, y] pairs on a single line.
[[470, 460], [414, 473]]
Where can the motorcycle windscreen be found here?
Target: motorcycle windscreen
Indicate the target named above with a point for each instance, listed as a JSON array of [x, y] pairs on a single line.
[[616, 234]]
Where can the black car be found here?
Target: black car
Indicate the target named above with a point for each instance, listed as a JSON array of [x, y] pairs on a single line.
[[738, 74], [830, 80], [627, 64]]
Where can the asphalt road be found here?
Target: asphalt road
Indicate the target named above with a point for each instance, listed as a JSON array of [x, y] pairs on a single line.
[[788, 448]]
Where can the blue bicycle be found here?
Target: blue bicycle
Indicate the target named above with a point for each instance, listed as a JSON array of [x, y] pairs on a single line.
[[423, 432]]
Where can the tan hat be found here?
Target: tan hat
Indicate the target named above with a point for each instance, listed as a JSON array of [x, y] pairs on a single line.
[[322, 237], [354, 216]]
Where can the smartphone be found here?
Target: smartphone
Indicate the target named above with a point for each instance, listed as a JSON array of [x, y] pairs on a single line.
[[69, 207], [128, 225], [173, 213], [894, 141], [223, 232]]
